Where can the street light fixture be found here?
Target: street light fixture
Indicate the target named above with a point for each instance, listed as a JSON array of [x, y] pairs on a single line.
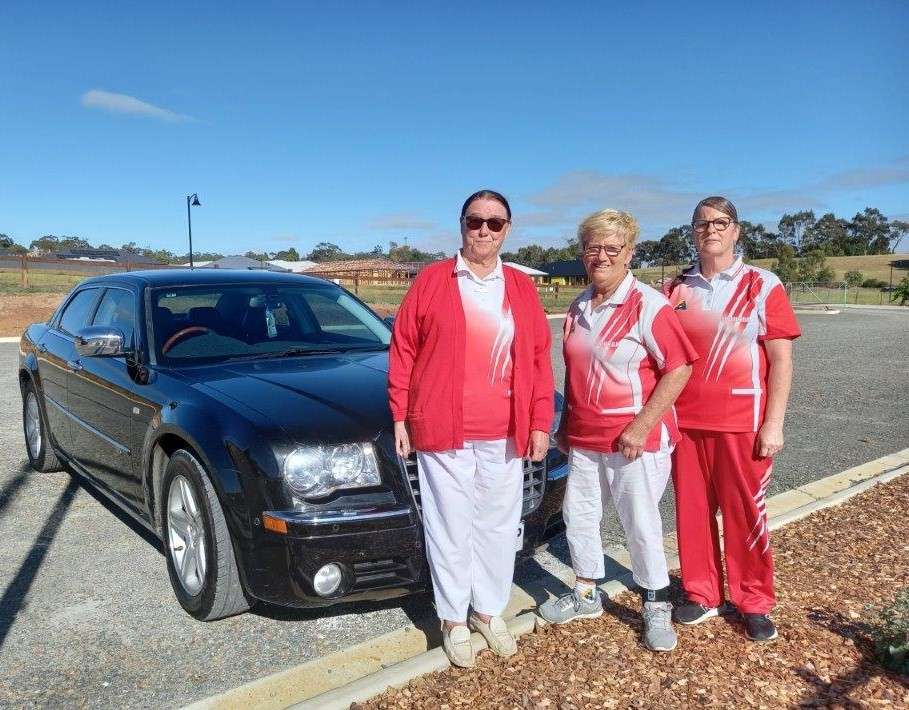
[[191, 201]]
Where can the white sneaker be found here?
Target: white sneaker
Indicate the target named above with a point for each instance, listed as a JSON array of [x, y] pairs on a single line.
[[496, 633], [457, 646]]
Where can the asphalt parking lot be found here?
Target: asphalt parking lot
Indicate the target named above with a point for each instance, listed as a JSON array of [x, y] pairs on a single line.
[[87, 616]]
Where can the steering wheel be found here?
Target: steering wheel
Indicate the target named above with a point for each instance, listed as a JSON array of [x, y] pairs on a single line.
[[182, 333]]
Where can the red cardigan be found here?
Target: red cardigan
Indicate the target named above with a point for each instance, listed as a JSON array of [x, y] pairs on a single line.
[[426, 360]]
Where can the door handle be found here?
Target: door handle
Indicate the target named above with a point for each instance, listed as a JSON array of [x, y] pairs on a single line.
[[74, 365]]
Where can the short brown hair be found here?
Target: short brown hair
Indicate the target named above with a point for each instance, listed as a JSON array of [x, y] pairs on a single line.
[[718, 203], [489, 194]]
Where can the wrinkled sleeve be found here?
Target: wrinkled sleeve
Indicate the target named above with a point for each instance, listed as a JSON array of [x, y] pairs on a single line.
[[402, 353], [779, 318], [666, 341], [543, 398]]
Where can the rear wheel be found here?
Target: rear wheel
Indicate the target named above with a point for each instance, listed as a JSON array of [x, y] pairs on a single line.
[[41, 455], [200, 554]]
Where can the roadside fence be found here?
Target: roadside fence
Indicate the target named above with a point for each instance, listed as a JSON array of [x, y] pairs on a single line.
[[804, 293]]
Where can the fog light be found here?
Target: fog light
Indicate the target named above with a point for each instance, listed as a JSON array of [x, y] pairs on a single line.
[[327, 579]]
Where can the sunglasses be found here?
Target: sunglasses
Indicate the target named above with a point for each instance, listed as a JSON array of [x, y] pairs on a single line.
[[495, 224]]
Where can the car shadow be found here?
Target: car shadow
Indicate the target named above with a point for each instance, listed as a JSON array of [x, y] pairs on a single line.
[[14, 596], [117, 512], [11, 489]]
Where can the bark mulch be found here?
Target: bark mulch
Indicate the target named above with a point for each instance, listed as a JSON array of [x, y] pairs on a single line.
[[834, 570]]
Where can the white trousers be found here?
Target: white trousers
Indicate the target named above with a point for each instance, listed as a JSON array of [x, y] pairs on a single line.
[[471, 513], [636, 488]]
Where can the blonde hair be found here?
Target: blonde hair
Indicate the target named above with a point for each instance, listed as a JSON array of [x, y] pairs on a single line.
[[609, 222]]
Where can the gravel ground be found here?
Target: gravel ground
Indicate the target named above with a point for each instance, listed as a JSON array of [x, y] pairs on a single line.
[[834, 569], [87, 615]]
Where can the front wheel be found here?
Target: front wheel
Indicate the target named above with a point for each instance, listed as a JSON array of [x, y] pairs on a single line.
[[200, 555], [41, 454]]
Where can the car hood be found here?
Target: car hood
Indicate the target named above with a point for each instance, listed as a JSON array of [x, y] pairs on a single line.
[[314, 399]]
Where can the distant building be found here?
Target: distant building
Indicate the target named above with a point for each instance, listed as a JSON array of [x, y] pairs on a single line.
[[369, 268], [565, 273], [116, 256], [535, 274], [298, 267]]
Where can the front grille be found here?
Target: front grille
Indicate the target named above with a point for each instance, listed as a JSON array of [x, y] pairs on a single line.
[[378, 573], [534, 484]]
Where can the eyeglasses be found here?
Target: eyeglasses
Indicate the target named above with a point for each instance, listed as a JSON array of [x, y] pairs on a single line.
[[495, 224], [702, 225], [612, 251]]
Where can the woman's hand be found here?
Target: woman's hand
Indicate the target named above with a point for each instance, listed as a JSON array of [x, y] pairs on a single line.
[[538, 445], [632, 440], [769, 439], [402, 440]]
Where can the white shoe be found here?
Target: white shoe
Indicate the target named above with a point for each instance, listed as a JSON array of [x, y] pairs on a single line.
[[496, 633], [457, 646]]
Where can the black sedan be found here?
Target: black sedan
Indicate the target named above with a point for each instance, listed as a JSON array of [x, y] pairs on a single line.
[[242, 417]]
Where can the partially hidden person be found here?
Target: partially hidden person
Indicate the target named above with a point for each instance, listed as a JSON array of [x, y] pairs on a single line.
[[731, 414]]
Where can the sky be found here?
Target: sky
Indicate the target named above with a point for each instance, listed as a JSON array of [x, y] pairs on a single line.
[[368, 122]]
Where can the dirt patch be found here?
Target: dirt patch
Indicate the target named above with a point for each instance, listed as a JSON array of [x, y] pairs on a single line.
[[17, 312], [833, 570], [385, 309]]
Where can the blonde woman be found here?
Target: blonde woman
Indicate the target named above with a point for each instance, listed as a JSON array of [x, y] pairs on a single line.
[[626, 360]]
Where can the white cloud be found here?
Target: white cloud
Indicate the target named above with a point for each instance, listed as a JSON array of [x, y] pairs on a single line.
[[130, 105], [400, 221]]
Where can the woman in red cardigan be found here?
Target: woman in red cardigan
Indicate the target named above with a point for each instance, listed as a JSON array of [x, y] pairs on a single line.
[[471, 391]]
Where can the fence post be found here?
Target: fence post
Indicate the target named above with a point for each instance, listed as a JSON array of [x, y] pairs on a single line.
[[356, 283], [24, 271], [556, 291]]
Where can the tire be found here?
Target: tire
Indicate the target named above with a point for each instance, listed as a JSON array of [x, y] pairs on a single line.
[[40, 451], [196, 536]]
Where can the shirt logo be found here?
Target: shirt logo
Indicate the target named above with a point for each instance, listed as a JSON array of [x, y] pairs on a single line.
[[682, 305]]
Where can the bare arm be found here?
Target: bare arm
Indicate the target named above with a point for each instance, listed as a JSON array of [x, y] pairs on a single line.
[[667, 390], [779, 382]]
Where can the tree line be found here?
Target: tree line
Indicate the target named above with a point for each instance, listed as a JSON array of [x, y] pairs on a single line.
[[322, 252]]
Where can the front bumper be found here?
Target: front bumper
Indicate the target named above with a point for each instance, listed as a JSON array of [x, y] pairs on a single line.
[[379, 549]]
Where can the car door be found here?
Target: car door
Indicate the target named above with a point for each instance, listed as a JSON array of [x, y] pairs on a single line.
[[103, 397], [57, 357]]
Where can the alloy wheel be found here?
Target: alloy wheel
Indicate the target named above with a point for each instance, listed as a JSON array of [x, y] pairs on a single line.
[[186, 535], [32, 425]]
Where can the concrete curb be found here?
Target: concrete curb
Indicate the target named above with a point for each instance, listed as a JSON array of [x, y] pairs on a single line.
[[363, 671], [10, 338]]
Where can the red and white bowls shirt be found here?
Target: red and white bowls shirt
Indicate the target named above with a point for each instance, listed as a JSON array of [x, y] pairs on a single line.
[[614, 356], [727, 319]]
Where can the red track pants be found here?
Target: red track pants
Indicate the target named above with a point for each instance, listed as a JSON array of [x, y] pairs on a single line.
[[720, 469]]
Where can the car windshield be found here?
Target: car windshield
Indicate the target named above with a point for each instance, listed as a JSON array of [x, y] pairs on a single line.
[[194, 325]]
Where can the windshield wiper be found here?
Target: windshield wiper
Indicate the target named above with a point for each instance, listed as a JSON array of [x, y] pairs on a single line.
[[297, 352]]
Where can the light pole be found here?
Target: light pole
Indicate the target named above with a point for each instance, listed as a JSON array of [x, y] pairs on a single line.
[[189, 222]]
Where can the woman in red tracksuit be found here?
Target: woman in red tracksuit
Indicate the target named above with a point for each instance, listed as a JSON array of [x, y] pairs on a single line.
[[471, 391], [731, 414]]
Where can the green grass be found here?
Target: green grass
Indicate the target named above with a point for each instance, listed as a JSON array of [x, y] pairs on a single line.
[[39, 281]]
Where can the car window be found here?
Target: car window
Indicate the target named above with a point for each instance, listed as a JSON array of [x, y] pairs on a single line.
[[77, 312], [117, 310], [219, 322]]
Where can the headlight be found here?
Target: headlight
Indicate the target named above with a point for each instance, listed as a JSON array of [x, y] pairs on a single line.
[[316, 471]]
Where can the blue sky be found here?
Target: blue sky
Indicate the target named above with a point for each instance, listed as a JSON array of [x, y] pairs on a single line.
[[360, 123]]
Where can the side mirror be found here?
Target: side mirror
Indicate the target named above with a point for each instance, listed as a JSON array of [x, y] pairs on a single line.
[[99, 341]]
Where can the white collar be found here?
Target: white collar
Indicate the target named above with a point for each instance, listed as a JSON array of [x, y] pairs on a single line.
[[728, 274], [462, 269], [618, 297]]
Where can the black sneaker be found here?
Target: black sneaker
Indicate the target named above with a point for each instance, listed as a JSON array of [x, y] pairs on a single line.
[[691, 613], [759, 627]]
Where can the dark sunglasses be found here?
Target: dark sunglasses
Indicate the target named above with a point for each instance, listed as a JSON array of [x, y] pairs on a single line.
[[495, 224]]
